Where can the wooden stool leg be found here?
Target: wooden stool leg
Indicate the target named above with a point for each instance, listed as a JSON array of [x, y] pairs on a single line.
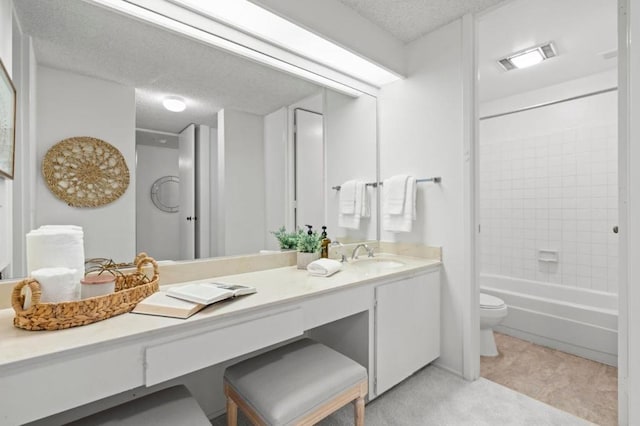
[[232, 412], [232, 407], [358, 412]]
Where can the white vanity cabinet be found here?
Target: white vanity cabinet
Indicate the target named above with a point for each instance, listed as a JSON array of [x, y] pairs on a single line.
[[386, 319], [407, 327]]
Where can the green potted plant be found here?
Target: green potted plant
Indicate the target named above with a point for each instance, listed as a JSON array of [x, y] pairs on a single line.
[[309, 244], [287, 240]]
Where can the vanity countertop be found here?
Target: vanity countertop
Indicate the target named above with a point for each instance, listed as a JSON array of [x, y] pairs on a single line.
[[275, 286]]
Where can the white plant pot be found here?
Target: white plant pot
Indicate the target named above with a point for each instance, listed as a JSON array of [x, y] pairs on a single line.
[[305, 259]]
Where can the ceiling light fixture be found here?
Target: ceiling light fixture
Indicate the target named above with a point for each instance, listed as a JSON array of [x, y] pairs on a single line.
[[528, 57], [174, 103], [255, 20], [147, 15]]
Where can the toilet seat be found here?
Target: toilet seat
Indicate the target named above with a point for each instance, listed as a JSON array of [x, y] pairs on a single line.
[[488, 301]]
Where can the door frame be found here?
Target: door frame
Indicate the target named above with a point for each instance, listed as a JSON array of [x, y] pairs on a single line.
[[629, 211], [294, 174]]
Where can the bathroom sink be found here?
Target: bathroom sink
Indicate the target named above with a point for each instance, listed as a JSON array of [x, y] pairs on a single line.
[[378, 263]]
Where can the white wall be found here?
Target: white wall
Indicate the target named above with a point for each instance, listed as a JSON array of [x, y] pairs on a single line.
[[6, 7], [73, 105], [351, 130], [548, 180], [156, 231], [629, 192], [421, 133], [275, 163], [241, 191], [25, 170], [567, 89]]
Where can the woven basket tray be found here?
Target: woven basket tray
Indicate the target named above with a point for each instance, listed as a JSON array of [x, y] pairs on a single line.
[[130, 289]]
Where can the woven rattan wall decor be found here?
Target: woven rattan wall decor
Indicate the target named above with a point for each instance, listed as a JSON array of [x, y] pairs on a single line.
[[85, 172]]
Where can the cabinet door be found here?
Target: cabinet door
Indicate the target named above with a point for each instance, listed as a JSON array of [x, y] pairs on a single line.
[[407, 328]]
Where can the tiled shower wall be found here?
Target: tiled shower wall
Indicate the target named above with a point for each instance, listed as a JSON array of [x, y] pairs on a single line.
[[548, 181]]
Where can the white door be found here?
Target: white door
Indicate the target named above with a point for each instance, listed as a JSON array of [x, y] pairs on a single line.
[[186, 172], [203, 192], [309, 169]]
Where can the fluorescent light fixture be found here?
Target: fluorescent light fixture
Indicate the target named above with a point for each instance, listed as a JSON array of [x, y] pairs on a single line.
[[259, 22], [146, 15], [528, 57], [174, 103]]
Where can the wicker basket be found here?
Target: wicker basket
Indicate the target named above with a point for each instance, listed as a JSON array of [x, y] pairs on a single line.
[[130, 289]]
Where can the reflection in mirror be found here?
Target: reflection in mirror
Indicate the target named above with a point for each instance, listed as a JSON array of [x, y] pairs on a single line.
[[165, 194], [102, 74]]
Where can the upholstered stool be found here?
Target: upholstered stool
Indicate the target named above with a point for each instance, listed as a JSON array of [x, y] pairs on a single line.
[[300, 383], [167, 407]]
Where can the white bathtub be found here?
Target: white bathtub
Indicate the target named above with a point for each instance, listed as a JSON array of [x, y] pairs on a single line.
[[574, 320]]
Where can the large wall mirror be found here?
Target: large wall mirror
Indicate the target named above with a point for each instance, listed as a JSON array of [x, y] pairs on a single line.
[[102, 74]]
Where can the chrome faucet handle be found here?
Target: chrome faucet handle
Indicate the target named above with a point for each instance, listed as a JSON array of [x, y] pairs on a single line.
[[370, 251]]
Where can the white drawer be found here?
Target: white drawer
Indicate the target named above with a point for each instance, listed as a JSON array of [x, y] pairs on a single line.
[[178, 357], [331, 307]]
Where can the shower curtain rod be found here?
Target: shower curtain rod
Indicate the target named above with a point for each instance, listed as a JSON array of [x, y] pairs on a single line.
[[559, 101]]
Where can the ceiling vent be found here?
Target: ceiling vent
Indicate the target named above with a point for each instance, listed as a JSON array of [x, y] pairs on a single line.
[[528, 57]]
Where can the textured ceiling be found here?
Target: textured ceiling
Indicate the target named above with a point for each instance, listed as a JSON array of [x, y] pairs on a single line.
[[86, 39], [407, 20]]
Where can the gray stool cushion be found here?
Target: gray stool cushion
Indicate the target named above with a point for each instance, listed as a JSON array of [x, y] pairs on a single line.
[[168, 407], [289, 382]]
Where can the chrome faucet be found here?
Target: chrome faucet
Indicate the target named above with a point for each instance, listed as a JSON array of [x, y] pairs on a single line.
[[343, 258], [369, 250]]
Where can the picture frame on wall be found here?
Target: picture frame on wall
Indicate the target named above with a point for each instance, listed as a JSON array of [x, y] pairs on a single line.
[[7, 124]]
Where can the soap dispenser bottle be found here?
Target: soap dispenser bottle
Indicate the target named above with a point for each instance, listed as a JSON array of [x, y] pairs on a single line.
[[324, 243]]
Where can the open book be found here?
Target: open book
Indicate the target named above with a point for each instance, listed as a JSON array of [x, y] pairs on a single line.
[[160, 303], [208, 293], [184, 301]]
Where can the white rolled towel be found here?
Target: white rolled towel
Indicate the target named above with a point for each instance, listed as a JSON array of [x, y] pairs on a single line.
[[59, 227], [57, 284], [56, 246], [324, 267]]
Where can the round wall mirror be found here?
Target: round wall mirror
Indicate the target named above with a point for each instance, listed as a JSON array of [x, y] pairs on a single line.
[[165, 194]]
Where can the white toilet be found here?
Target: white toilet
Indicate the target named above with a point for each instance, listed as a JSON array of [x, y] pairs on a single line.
[[492, 311]]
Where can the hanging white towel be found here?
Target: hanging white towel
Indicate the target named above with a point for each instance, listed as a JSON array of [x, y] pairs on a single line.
[[57, 284], [396, 187], [400, 222], [348, 197], [352, 221], [366, 202], [52, 247]]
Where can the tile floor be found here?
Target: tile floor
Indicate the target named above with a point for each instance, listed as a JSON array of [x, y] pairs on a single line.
[[437, 397], [582, 387]]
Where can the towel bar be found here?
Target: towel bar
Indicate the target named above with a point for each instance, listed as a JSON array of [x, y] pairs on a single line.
[[436, 179]]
